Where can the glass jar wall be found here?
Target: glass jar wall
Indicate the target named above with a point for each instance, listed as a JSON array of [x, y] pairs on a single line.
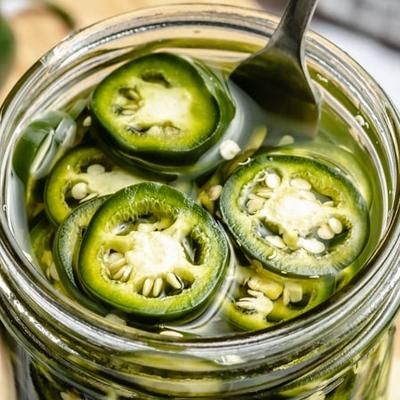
[[61, 350]]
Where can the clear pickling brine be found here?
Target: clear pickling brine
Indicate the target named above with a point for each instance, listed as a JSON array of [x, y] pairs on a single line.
[[160, 200]]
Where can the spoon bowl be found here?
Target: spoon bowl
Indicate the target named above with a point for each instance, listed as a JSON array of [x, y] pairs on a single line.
[[277, 79]]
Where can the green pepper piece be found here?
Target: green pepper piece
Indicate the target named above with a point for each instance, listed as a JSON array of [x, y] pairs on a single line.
[[350, 163], [42, 142], [49, 387], [260, 299], [161, 107], [82, 174], [42, 238], [295, 215], [67, 243], [345, 391], [151, 251], [43, 386]]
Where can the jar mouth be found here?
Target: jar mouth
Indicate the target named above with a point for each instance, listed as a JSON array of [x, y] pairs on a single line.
[[325, 321]]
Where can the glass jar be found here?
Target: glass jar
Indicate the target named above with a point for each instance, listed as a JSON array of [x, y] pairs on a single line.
[[341, 350]]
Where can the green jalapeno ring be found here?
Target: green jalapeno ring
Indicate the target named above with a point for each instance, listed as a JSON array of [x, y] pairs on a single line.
[[42, 238], [349, 162], [151, 251], [42, 142], [67, 242], [82, 174], [295, 215], [260, 299], [162, 106]]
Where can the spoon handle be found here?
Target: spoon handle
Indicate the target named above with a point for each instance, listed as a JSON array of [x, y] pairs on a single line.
[[296, 18]]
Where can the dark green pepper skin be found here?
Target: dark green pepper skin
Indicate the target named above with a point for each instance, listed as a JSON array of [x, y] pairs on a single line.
[[41, 143], [45, 389], [345, 390], [49, 387], [260, 299], [264, 224], [165, 133], [42, 237], [141, 234], [73, 169], [66, 248]]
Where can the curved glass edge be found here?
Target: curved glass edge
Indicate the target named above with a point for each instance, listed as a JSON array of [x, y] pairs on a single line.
[[206, 348]]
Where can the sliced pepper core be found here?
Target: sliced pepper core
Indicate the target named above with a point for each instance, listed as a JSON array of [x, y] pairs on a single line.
[[155, 247], [82, 174], [161, 105], [152, 251], [295, 215], [260, 299]]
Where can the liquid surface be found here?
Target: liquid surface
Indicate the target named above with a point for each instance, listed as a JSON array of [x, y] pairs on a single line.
[[339, 144]]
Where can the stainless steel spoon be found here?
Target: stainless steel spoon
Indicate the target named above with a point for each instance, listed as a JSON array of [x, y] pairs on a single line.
[[276, 77]]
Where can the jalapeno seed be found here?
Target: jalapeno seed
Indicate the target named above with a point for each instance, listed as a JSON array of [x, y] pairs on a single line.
[[161, 106], [133, 254], [295, 215], [259, 298], [66, 249], [81, 175]]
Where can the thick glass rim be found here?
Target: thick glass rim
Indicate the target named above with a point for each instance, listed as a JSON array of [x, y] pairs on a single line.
[[334, 317]]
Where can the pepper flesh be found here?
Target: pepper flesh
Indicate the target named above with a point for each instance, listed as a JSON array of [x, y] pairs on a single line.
[[295, 215], [83, 174], [260, 299], [161, 106], [152, 251]]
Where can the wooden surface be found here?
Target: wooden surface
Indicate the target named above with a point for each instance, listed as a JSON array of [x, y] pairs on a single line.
[[38, 30]]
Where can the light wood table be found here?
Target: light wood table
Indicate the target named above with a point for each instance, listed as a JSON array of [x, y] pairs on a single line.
[[37, 31]]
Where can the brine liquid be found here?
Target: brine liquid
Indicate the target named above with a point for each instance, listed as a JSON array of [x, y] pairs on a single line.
[[340, 143]]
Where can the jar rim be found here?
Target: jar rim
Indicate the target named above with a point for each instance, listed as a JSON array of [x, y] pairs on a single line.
[[318, 324]]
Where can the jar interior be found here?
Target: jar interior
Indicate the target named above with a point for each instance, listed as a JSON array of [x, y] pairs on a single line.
[[350, 136]]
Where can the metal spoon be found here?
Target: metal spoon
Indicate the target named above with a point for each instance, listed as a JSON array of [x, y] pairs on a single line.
[[276, 78]]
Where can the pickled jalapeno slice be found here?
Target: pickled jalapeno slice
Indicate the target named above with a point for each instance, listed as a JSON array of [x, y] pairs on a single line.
[[295, 215], [42, 142], [48, 387], [67, 243], [82, 174], [161, 107], [259, 298], [151, 251], [42, 237]]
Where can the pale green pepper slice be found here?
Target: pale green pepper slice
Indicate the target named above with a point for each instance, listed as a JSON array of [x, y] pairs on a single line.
[[295, 215], [83, 174], [161, 107], [151, 251]]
